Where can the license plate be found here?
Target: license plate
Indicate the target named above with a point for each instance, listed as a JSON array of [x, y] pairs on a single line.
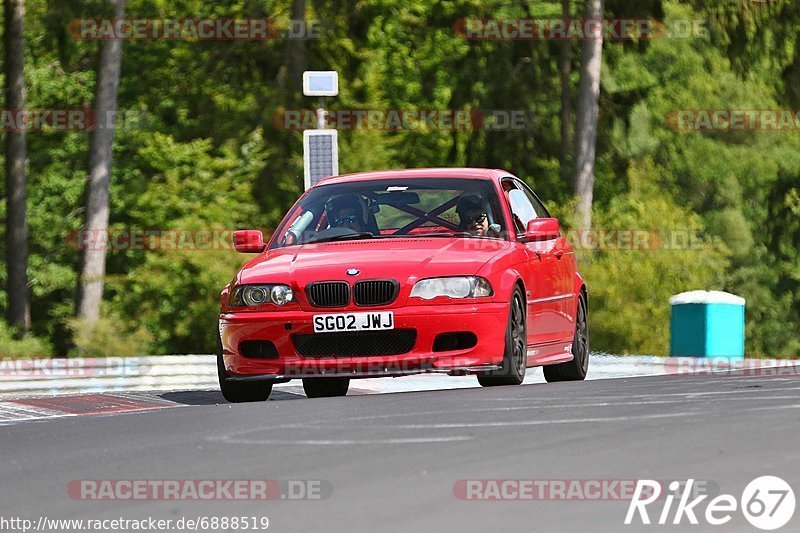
[[354, 322]]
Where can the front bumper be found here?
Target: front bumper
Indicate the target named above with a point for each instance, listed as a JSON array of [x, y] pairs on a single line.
[[487, 320]]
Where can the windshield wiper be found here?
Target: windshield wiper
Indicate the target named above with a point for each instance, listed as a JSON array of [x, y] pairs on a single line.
[[348, 237], [457, 234]]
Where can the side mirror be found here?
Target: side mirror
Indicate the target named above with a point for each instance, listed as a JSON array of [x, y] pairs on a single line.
[[542, 229], [248, 241]]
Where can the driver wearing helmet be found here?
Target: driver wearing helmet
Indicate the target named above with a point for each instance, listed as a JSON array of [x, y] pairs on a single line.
[[347, 211], [474, 215]]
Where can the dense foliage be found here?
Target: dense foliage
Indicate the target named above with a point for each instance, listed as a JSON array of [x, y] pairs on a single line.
[[203, 150]]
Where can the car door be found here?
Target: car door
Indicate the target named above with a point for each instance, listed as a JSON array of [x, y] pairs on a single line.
[[562, 257], [541, 273]]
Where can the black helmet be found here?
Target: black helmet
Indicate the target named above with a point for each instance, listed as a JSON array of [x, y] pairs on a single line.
[[345, 201], [471, 202]]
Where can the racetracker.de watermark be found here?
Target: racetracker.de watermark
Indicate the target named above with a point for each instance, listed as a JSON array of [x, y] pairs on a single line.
[[733, 120], [731, 367], [614, 240], [635, 240], [192, 29], [408, 119], [567, 29], [560, 489], [69, 120], [198, 489], [591, 240], [44, 368], [145, 240]]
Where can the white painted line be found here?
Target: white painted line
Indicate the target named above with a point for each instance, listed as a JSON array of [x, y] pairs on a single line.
[[350, 442], [520, 423], [14, 411]]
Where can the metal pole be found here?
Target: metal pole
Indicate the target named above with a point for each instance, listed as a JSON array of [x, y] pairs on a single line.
[[320, 115]]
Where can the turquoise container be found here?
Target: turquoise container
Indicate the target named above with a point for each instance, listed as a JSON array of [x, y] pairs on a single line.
[[707, 324]]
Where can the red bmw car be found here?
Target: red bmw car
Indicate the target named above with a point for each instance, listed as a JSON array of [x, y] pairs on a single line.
[[459, 271]]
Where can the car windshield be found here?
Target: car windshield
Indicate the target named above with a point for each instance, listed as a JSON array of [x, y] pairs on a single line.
[[383, 209]]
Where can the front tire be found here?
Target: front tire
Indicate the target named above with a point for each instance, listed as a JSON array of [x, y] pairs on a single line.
[[325, 387], [576, 369], [515, 356], [239, 391]]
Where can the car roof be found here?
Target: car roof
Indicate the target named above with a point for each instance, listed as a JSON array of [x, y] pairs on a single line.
[[468, 173]]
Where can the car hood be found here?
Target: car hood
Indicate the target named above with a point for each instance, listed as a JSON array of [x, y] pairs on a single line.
[[405, 260]]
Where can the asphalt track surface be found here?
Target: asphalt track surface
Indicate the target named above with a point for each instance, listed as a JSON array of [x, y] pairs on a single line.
[[390, 462]]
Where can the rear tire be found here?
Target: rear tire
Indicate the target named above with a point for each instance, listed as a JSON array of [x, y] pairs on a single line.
[[239, 391], [325, 387], [576, 369], [515, 356]]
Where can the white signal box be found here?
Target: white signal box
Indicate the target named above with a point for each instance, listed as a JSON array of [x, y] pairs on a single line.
[[320, 83], [320, 155]]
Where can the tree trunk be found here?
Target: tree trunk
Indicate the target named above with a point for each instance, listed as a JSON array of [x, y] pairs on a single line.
[[587, 117], [565, 70], [296, 47], [19, 313], [93, 266]]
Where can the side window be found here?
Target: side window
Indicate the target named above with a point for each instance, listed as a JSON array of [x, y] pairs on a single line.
[[508, 186], [538, 206], [521, 209]]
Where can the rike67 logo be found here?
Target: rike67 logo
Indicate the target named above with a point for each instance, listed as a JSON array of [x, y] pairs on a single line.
[[767, 502]]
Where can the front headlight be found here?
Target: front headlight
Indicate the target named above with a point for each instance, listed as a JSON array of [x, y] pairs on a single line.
[[257, 295], [455, 287]]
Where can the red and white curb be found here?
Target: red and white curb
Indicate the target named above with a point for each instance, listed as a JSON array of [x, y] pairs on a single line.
[[19, 410], [31, 409]]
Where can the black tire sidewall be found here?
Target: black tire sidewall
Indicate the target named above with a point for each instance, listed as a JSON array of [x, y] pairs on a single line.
[[572, 370], [513, 370], [509, 373], [583, 364], [239, 392]]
